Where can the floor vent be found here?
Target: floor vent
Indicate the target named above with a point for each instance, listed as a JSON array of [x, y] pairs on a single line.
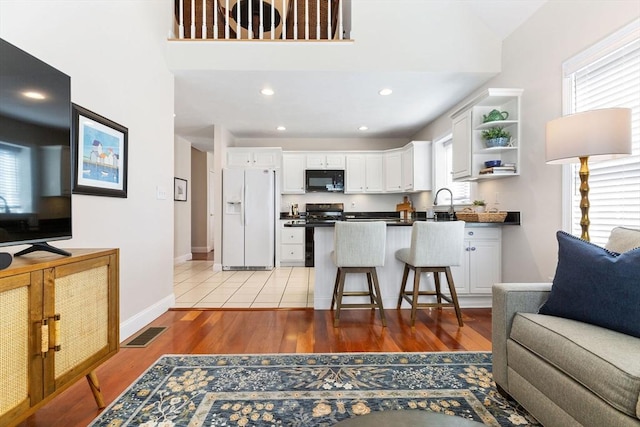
[[145, 337]]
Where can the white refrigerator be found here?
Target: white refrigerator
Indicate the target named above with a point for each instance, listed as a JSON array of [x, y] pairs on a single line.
[[248, 221]]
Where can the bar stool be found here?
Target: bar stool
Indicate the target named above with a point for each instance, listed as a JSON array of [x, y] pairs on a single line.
[[359, 247], [435, 246]]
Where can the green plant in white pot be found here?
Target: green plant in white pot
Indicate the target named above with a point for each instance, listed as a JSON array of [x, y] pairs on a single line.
[[479, 205], [496, 137]]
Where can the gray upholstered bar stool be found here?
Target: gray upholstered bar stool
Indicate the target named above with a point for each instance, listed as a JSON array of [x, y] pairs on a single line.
[[359, 247], [435, 246]]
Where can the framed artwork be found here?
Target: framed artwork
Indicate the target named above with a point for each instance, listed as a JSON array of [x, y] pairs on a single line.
[[277, 7], [179, 189], [99, 154]]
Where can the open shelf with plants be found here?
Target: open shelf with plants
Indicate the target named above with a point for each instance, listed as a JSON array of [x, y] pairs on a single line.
[[495, 113]]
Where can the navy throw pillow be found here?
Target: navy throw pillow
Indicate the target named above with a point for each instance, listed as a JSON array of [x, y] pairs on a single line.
[[596, 286]]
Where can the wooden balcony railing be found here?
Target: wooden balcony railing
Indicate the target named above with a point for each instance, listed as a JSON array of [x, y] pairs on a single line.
[[269, 19]]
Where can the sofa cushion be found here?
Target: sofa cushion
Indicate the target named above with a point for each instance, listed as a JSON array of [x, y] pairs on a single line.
[[604, 361], [595, 285], [623, 239]]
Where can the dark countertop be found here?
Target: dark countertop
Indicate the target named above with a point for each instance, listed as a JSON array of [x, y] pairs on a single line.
[[392, 219]]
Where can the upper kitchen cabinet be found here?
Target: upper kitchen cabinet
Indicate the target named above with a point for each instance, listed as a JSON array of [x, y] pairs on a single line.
[[293, 173], [492, 110], [417, 168], [364, 173], [461, 135], [325, 161], [393, 171], [408, 169], [254, 157]]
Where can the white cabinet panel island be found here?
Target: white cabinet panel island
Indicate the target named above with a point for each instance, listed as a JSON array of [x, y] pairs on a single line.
[[470, 293]]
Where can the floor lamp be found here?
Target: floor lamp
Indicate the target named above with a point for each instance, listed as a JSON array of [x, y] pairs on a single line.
[[596, 134]]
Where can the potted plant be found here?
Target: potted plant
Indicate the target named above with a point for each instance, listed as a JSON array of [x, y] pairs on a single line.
[[496, 137], [479, 205]]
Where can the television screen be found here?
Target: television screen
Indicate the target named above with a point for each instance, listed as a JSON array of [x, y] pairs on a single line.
[[35, 155]]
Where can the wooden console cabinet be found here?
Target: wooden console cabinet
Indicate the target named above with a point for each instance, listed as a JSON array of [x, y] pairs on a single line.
[[59, 320]]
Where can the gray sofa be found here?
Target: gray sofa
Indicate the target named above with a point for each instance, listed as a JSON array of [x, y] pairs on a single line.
[[563, 371]]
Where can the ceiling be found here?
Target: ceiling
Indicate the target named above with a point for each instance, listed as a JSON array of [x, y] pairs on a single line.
[[331, 104]]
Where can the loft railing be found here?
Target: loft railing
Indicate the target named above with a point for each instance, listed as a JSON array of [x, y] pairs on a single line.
[[260, 19]]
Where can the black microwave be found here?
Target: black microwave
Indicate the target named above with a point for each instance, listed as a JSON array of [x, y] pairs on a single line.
[[331, 181]]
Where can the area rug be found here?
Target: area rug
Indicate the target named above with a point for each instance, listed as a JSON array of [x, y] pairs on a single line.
[[310, 390]]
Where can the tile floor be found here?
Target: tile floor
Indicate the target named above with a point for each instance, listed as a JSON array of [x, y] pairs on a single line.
[[196, 285]]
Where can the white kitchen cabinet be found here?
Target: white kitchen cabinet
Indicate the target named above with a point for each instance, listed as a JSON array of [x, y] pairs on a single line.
[[293, 173], [393, 171], [481, 263], [461, 135], [417, 167], [325, 161], [291, 246], [398, 170], [254, 157], [469, 148], [364, 173]]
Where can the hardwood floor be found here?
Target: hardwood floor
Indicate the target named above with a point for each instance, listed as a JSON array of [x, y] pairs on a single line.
[[269, 331], [197, 256]]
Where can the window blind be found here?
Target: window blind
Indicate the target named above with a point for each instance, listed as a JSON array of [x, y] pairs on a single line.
[[443, 174], [9, 190], [611, 78]]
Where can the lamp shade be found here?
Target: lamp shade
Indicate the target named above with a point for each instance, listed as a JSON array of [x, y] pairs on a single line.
[[597, 134]]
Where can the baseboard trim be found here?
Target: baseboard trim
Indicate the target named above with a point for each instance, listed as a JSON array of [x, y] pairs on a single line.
[[146, 316], [200, 249], [182, 258]]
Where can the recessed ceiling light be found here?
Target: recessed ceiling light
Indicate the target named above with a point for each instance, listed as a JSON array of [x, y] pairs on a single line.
[[385, 92], [33, 95], [281, 128], [267, 91], [363, 128]]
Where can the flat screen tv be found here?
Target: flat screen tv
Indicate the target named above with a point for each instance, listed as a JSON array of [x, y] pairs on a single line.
[[35, 155]]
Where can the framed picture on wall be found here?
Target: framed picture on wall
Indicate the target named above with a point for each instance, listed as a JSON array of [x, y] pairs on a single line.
[[273, 12], [179, 189], [99, 154]]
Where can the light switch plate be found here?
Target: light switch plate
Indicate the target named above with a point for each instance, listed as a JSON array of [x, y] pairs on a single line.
[[161, 193]]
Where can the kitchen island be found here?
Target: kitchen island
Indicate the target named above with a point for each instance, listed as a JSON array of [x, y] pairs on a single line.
[[481, 264]]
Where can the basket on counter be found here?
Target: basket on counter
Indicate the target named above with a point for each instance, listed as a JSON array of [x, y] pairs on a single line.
[[470, 216]]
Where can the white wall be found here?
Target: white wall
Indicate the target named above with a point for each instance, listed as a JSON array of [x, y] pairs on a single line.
[[114, 53], [221, 140], [322, 144], [182, 210], [532, 59], [199, 196]]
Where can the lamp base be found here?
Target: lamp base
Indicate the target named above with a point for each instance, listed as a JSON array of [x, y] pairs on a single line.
[[584, 200]]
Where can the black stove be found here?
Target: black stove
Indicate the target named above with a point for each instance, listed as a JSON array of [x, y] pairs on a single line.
[[319, 213], [323, 213]]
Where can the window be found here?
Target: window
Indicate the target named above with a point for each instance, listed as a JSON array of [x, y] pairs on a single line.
[[14, 168], [606, 75], [443, 175]]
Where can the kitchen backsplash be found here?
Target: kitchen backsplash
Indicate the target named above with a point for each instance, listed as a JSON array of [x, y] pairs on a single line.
[[352, 202]]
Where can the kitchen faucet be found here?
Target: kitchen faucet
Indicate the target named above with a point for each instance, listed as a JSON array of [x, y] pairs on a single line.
[[435, 202], [6, 205]]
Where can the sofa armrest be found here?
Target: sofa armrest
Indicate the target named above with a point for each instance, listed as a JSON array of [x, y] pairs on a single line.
[[509, 299]]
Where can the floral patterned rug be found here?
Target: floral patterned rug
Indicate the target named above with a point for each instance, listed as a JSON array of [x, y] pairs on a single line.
[[310, 390]]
